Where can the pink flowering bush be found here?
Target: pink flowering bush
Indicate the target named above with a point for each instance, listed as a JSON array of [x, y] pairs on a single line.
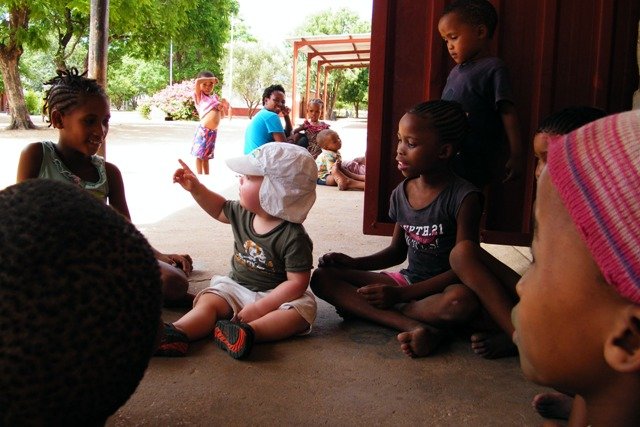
[[176, 101]]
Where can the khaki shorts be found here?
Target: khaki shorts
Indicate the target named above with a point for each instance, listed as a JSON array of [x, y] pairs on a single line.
[[237, 296]]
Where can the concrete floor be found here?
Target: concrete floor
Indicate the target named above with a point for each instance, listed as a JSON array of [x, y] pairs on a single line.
[[345, 372]]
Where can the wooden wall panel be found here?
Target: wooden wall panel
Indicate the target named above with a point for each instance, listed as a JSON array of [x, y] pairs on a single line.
[[624, 66], [514, 33], [559, 53], [397, 81]]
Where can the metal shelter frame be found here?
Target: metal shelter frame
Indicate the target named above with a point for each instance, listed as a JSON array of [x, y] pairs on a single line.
[[332, 52]]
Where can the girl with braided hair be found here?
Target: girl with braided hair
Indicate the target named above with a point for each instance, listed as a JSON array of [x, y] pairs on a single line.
[[79, 108], [433, 209]]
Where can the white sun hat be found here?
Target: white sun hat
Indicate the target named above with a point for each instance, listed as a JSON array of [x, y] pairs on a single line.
[[288, 190]]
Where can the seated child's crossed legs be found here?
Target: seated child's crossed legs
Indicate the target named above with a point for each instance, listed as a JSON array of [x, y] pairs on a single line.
[[344, 179], [456, 305], [420, 321], [494, 284]]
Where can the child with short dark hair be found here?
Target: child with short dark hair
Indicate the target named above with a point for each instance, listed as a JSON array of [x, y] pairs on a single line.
[[266, 296], [481, 84], [330, 171], [578, 319], [79, 108], [433, 209]]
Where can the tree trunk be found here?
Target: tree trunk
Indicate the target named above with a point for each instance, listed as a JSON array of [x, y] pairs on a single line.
[[251, 105], [11, 75], [9, 58], [333, 95], [59, 59]]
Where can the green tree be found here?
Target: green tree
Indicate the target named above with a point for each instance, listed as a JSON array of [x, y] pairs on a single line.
[[198, 32], [32, 24], [132, 78], [342, 21], [144, 28], [140, 28], [255, 67], [241, 32], [69, 23], [355, 88], [36, 66], [202, 39]]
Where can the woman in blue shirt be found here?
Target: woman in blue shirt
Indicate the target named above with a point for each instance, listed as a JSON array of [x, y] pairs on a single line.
[[266, 125]]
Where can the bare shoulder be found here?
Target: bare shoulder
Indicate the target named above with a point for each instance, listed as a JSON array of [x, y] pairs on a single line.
[[113, 173], [33, 149], [117, 198], [111, 167], [30, 161]]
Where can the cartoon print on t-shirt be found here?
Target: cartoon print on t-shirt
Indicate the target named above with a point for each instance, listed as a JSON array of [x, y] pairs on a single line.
[[254, 257]]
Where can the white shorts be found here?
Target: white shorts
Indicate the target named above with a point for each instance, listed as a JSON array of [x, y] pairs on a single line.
[[237, 296]]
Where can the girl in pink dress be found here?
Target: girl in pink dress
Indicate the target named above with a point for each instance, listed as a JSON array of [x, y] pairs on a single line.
[[311, 128]]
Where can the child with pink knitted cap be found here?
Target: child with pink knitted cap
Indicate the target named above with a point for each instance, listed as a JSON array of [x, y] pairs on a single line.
[[577, 325]]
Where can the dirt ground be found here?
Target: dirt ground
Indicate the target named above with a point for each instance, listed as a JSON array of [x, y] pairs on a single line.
[[345, 373]]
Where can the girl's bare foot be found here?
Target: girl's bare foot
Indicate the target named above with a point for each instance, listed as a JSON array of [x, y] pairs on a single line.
[[339, 177], [493, 346], [343, 181], [344, 184], [553, 405], [419, 341]]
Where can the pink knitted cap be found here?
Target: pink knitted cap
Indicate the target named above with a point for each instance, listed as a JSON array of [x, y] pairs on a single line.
[[596, 170]]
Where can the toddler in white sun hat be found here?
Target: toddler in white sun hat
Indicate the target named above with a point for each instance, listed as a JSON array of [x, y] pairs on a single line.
[[265, 297], [286, 191]]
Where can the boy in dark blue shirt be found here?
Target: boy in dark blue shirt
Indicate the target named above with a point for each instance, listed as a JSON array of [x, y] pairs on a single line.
[[480, 83]]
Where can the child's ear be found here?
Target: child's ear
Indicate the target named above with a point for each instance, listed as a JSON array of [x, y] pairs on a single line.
[[56, 119], [482, 31], [622, 348], [446, 151]]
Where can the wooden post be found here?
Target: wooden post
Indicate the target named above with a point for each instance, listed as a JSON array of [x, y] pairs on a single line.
[[308, 90], [324, 93], [318, 80], [98, 40], [98, 44], [294, 77]]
